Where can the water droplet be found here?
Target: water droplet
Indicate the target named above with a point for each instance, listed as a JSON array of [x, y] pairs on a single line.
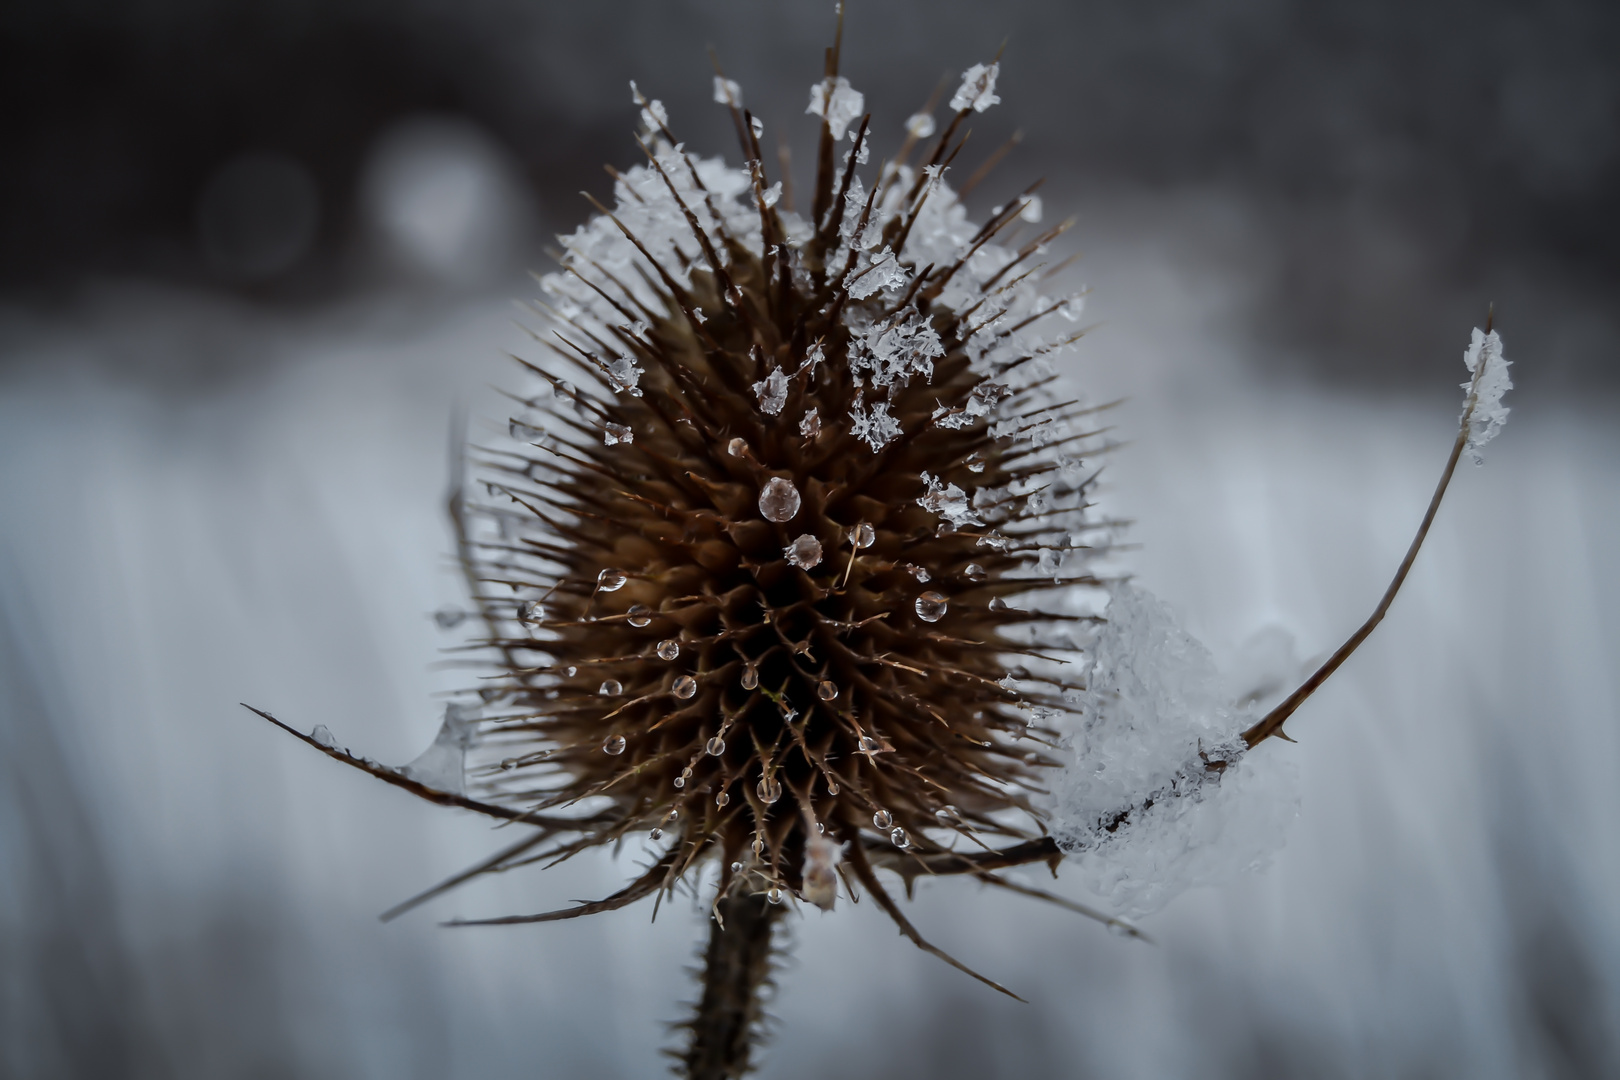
[[998, 604], [870, 745], [820, 828], [715, 746], [736, 448], [805, 552], [826, 690], [722, 799], [680, 781], [685, 687], [669, 649], [610, 688], [533, 611], [832, 788], [674, 812], [898, 837], [931, 607], [656, 834], [973, 572], [639, 616], [750, 677], [779, 500], [862, 536], [323, 737], [775, 895], [759, 847], [449, 618], [614, 745], [1031, 758], [883, 819], [570, 671], [948, 813], [508, 764], [736, 867], [610, 581], [1119, 929], [769, 790]]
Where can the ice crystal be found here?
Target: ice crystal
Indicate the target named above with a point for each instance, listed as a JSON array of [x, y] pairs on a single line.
[[772, 392], [875, 426], [978, 89], [1489, 413], [949, 502], [836, 102]]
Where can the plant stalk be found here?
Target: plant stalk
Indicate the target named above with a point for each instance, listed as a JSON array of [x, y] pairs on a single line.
[[736, 965]]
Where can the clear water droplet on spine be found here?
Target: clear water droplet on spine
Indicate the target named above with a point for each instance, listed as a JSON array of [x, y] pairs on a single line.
[[768, 790], [775, 895], [973, 572], [736, 447], [736, 867], [826, 690], [931, 606], [998, 604], [639, 616], [722, 799], [715, 746], [614, 746], [669, 649], [862, 536], [322, 735], [685, 687], [897, 836], [610, 688], [883, 819], [870, 745], [610, 580], [750, 676], [656, 834], [779, 500]]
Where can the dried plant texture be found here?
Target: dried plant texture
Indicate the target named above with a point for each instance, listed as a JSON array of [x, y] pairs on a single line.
[[767, 562]]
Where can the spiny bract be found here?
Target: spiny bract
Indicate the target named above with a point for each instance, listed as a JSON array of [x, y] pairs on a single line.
[[764, 564]]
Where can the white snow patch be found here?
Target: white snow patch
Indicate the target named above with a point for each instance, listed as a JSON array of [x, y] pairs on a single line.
[[1136, 807]]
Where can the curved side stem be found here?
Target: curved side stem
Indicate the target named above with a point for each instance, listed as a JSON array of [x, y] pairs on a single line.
[[1272, 723]]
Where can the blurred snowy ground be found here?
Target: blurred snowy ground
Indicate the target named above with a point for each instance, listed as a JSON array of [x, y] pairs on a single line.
[[206, 503]]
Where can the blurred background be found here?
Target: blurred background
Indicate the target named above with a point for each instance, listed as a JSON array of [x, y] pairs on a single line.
[[255, 257]]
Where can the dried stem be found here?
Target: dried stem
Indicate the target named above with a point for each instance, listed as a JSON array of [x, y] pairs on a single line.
[[737, 964]]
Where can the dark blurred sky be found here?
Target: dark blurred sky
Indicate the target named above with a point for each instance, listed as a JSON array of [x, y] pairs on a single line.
[[1396, 163]]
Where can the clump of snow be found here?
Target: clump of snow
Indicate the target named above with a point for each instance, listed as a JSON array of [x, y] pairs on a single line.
[[442, 766], [892, 352], [836, 102], [1489, 413], [1158, 794], [978, 89], [882, 271], [772, 392]]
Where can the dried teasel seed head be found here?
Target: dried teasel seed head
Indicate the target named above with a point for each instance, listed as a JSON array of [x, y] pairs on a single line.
[[796, 466]]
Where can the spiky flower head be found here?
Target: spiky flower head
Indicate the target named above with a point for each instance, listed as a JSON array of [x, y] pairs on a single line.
[[776, 559]]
